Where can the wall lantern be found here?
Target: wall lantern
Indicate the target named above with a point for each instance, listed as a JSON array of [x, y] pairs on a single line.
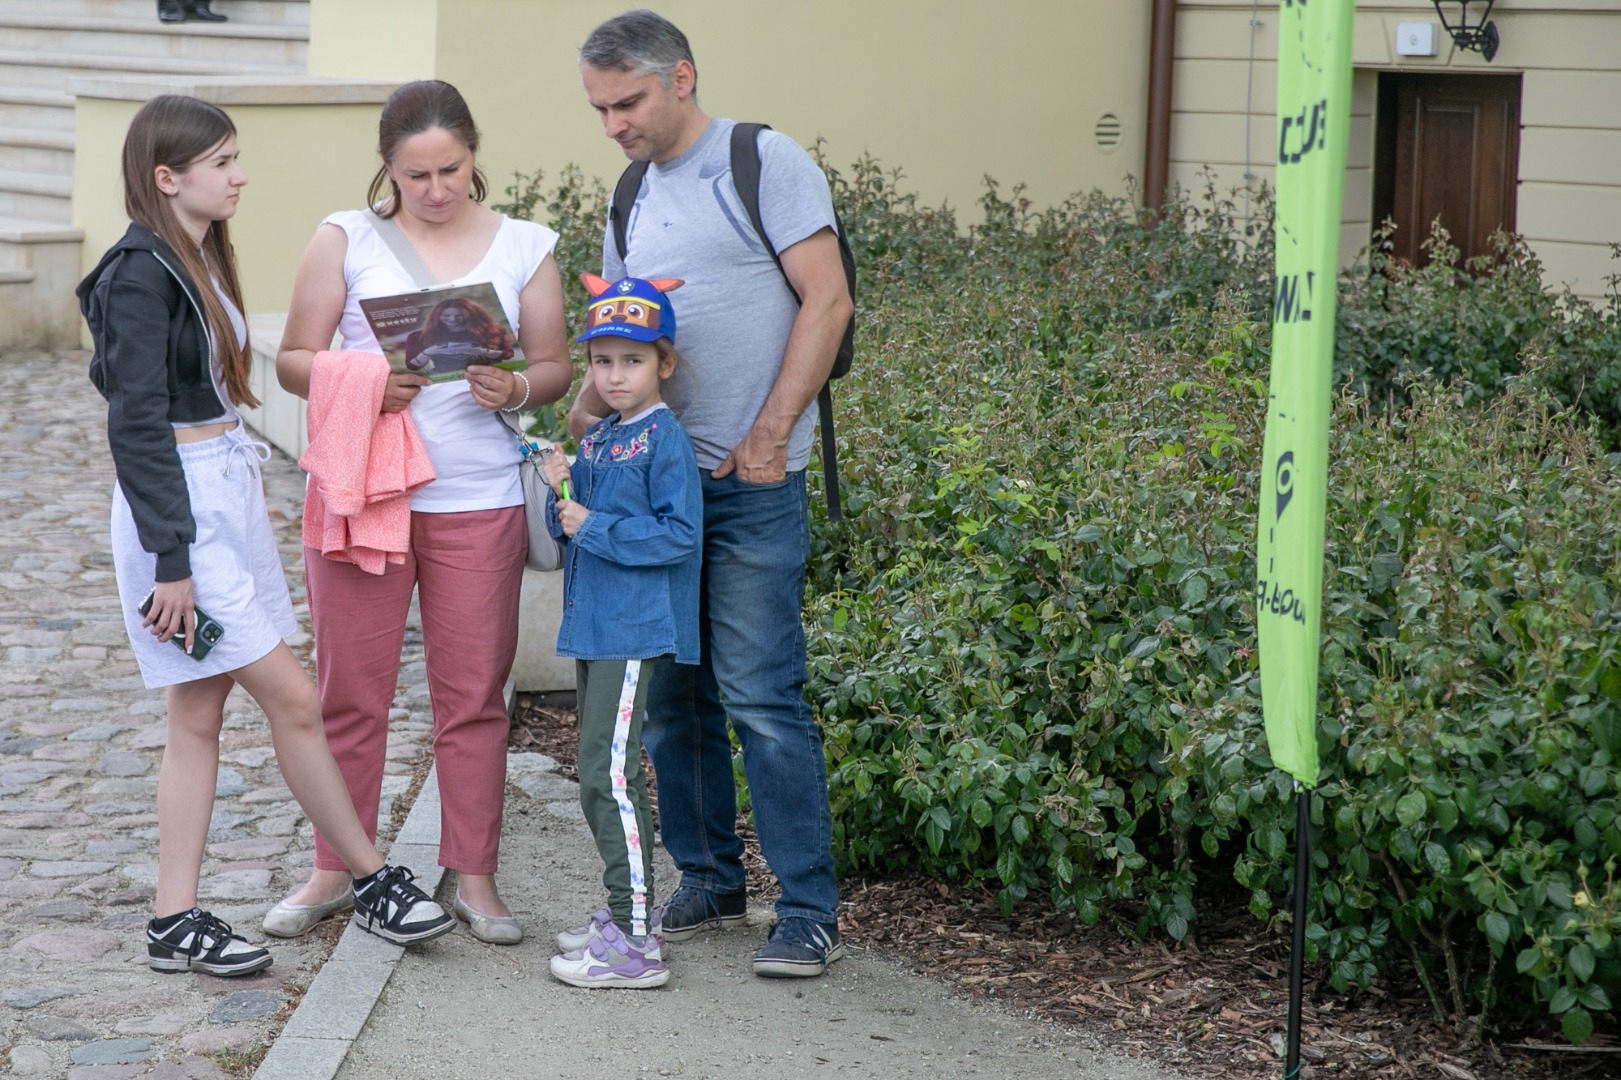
[[1481, 37]]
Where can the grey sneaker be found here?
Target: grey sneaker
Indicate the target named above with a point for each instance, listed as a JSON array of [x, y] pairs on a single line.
[[692, 910], [798, 949]]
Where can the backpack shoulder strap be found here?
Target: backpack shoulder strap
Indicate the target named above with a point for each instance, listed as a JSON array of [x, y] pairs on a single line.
[[625, 192], [746, 179]]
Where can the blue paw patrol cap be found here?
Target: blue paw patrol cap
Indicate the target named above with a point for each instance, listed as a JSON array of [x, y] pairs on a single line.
[[633, 308]]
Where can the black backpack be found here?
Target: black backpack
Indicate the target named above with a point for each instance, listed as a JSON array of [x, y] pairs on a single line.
[[746, 179]]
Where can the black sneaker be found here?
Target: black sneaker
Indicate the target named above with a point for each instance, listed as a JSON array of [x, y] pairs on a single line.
[[798, 949], [691, 910], [197, 941], [388, 905]]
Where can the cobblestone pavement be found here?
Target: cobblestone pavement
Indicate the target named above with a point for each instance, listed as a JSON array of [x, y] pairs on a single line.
[[80, 745]]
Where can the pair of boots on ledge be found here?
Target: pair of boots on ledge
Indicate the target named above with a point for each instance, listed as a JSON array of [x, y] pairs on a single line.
[[173, 11]]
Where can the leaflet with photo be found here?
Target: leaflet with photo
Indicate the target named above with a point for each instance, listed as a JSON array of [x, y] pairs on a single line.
[[438, 332]]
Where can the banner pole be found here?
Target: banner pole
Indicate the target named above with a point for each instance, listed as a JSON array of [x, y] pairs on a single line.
[[1315, 79], [1297, 958]]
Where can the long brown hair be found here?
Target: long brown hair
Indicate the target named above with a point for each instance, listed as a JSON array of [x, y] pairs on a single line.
[[412, 109], [178, 131]]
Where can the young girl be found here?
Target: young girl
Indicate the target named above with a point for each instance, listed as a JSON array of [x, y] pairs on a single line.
[[191, 534], [630, 582]]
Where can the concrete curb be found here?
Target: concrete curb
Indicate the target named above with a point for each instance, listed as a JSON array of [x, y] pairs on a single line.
[[340, 1000]]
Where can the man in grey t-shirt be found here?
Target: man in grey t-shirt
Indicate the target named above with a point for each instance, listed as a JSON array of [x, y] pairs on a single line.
[[752, 361]]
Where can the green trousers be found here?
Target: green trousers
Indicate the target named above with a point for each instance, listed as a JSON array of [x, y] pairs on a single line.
[[613, 787]]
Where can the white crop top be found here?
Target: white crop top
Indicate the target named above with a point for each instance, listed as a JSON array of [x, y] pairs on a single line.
[[474, 455], [216, 367]]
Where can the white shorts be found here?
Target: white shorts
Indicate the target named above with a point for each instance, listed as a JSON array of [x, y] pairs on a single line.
[[236, 571]]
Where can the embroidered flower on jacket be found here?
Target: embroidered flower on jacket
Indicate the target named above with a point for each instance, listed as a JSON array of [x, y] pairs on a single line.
[[627, 450]]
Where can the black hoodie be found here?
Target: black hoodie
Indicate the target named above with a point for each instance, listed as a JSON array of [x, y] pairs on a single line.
[[153, 347]]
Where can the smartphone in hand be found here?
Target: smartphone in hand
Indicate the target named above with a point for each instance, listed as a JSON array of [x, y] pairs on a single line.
[[203, 639]]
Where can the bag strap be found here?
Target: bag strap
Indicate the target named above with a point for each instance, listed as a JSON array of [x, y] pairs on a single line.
[[830, 452], [528, 446], [625, 192], [389, 232], [746, 179]]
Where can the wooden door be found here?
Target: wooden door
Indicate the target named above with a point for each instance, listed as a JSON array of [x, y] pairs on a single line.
[[1448, 148]]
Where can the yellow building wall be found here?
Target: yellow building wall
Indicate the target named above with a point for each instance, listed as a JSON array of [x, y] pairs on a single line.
[[947, 92], [1569, 198]]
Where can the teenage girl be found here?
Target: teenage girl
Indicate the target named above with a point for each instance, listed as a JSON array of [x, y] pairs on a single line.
[[630, 601], [191, 535]]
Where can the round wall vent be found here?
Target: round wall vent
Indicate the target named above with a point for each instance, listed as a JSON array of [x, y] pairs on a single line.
[[1108, 132]]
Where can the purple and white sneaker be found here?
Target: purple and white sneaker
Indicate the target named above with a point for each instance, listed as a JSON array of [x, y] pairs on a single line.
[[576, 936], [610, 958]]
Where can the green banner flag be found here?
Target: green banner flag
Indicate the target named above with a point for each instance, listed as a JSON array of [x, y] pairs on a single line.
[[1314, 108]]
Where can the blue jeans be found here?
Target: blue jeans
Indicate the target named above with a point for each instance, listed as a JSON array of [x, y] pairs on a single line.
[[756, 539]]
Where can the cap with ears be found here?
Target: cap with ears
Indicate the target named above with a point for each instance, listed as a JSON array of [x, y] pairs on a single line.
[[634, 308]]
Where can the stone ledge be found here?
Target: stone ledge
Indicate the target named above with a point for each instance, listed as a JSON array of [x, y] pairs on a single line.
[[15, 230], [31, 95], [35, 183], [166, 67], [234, 29], [37, 138], [346, 987], [224, 90]]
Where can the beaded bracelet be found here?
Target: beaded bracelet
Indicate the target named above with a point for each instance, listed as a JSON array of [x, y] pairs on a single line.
[[526, 389]]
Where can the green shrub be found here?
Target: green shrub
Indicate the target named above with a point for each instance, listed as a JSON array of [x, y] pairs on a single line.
[[1032, 642], [1583, 357], [1474, 325]]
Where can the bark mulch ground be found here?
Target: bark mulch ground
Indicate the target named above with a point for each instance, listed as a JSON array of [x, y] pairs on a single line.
[[1214, 1008]]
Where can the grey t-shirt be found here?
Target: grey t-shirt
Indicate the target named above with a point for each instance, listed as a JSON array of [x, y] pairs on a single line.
[[734, 313]]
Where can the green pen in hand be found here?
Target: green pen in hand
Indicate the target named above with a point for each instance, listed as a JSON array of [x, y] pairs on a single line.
[[562, 487]]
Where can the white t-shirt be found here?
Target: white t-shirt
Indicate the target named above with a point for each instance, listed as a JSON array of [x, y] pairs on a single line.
[[474, 455], [216, 367]]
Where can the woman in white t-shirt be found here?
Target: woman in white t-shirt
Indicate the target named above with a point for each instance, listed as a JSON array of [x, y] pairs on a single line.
[[468, 540]]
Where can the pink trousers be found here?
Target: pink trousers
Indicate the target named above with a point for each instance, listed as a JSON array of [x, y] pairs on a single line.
[[467, 569]]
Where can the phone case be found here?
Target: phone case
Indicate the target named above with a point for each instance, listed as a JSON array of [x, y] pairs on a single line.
[[203, 640]]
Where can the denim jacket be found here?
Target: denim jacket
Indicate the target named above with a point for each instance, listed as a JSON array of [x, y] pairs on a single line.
[[630, 575]]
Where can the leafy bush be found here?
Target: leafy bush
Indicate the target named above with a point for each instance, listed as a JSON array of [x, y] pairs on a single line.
[[1033, 644], [1474, 325], [1032, 639]]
